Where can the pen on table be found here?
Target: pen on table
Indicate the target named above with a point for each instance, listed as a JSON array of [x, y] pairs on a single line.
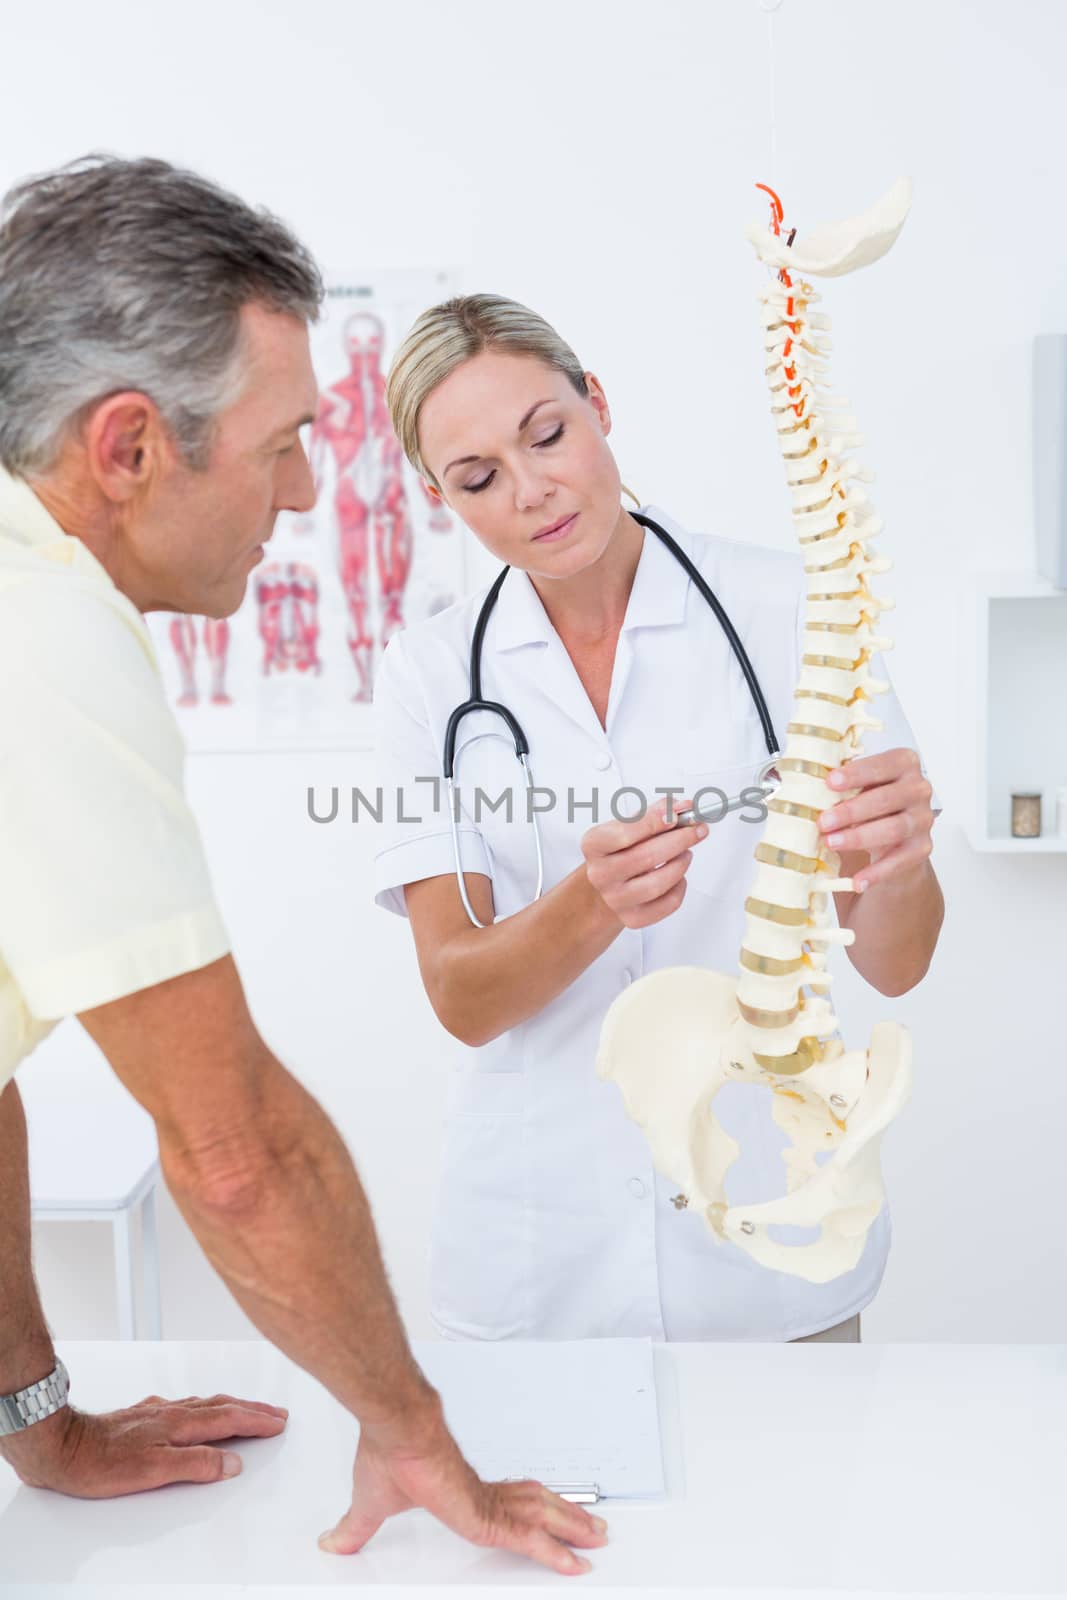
[[579, 1494]]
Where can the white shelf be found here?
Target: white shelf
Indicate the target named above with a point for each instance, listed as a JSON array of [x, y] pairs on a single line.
[[1004, 844], [1015, 643]]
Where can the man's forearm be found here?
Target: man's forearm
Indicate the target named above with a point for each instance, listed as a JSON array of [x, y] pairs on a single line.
[[896, 924], [284, 1220], [26, 1353]]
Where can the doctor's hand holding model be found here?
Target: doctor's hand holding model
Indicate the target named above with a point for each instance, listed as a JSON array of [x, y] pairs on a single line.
[[628, 665]]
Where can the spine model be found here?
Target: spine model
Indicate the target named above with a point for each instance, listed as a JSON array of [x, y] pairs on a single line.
[[788, 922], [673, 1039]]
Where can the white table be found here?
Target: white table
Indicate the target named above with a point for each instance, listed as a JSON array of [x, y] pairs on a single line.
[[94, 1158], [794, 1471]]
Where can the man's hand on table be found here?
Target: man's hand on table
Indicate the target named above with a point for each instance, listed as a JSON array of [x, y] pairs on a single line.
[[97, 1456], [398, 1468]]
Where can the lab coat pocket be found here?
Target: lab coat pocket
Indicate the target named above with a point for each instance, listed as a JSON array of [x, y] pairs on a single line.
[[479, 1256], [731, 834]]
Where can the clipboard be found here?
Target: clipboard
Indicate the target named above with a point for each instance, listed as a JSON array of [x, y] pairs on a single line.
[[580, 1416]]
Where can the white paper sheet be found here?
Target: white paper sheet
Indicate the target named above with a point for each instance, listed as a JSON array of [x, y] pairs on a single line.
[[562, 1412]]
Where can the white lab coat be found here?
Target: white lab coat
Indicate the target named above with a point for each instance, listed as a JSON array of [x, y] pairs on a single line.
[[550, 1221]]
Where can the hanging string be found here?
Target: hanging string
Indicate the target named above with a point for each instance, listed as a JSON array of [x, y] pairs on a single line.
[[774, 124], [770, 7]]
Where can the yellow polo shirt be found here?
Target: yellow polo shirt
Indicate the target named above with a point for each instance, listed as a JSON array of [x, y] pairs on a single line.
[[104, 889]]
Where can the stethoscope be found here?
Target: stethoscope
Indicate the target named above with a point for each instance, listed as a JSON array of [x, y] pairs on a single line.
[[475, 702]]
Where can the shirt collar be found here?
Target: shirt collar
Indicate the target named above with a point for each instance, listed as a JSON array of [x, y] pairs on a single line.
[[519, 617], [23, 518], [661, 583], [27, 523], [657, 597]]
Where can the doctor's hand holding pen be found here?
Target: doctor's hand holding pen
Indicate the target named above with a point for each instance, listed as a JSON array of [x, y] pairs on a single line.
[[483, 981], [638, 868]]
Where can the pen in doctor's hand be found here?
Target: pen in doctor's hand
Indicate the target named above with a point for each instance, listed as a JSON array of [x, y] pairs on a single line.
[[753, 798]]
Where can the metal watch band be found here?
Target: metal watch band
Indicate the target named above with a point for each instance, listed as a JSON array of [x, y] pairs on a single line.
[[33, 1404]]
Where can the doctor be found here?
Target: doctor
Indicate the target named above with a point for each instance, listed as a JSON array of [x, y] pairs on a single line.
[[551, 1222]]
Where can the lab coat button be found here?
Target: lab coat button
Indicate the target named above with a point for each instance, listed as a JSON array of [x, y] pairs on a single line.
[[637, 1188], [627, 978], [603, 761]]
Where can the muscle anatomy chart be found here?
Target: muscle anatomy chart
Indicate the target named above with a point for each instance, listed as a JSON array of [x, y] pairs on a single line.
[[294, 667]]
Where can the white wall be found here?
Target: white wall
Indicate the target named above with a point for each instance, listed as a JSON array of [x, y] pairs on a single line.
[[596, 159]]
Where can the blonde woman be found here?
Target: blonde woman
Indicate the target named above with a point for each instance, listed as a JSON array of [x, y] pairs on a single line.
[[618, 672]]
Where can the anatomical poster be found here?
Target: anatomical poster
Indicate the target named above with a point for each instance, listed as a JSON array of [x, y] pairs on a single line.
[[294, 667]]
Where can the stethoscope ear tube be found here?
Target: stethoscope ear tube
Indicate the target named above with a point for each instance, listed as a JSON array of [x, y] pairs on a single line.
[[522, 747], [475, 701], [740, 653]]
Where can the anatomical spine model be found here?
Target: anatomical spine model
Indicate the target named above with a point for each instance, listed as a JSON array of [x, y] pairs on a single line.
[[673, 1039]]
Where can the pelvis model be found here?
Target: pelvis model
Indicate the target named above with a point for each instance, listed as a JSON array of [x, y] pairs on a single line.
[[673, 1039]]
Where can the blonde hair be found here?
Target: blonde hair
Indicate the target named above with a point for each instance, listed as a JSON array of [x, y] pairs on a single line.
[[446, 336]]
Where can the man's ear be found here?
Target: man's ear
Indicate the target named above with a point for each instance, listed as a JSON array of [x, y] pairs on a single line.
[[127, 444]]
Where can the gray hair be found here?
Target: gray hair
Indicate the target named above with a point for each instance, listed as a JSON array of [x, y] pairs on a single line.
[[131, 274], [451, 333]]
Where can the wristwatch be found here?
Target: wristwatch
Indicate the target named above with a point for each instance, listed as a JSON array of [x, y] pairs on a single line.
[[27, 1406]]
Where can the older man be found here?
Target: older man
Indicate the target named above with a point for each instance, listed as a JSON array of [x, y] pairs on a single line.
[[154, 375]]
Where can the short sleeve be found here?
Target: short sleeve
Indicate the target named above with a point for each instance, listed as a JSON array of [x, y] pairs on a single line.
[[415, 833], [104, 888]]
